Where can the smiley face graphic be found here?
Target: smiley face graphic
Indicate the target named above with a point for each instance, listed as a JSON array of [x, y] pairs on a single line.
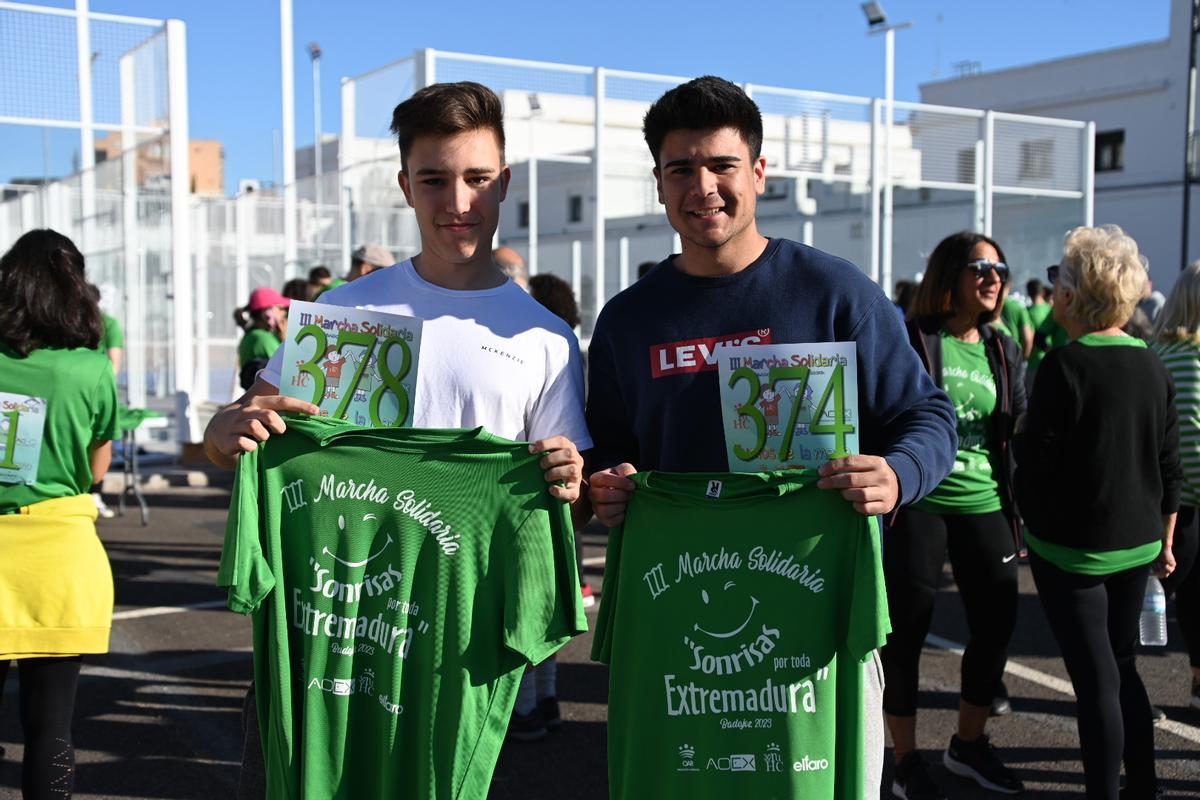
[[726, 634]]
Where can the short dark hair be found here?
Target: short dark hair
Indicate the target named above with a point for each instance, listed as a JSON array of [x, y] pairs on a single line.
[[935, 295], [446, 109], [704, 104], [319, 273], [1035, 289], [296, 289], [555, 294], [46, 300]]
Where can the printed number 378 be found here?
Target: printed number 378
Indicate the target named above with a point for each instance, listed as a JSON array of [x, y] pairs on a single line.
[[391, 381]]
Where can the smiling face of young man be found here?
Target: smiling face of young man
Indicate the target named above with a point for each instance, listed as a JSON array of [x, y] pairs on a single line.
[[709, 184], [455, 185]]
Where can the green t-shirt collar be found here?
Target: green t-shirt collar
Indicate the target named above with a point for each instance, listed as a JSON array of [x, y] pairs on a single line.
[[726, 486], [324, 430], [1121, 339]]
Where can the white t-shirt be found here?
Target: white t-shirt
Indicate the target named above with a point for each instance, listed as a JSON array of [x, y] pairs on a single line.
[[492, 357]]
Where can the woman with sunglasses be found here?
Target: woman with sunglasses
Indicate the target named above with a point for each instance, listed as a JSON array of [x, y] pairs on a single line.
[[1099, 482], [970, 515]]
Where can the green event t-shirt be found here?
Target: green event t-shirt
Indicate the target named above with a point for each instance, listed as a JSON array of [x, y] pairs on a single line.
[[256, 343], [736, 613], [113, 335], [400, 579], [971, 486], [1038, 312], [1013, 319], [1097, 562], [81, 410]]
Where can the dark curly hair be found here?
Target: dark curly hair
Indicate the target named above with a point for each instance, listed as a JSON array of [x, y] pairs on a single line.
[[46, 300], [703, 104], [555, 294]]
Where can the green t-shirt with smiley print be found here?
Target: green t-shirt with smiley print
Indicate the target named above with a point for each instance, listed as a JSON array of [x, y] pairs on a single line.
[[400, 579], [736, 612], [971, 486]]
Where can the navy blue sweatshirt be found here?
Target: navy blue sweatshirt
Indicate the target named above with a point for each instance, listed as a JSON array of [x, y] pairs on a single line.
[[653, 394]]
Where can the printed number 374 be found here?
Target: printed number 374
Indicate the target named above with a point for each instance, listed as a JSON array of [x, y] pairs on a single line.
[[834, 392]]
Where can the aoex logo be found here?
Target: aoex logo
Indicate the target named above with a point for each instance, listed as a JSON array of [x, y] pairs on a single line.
[[740, 762], [341, 687]]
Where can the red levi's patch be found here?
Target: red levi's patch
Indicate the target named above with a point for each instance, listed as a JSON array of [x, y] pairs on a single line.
[[697, 355]]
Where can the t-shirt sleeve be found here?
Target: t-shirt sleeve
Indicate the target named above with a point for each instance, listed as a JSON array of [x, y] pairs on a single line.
[[559, 409], [105, 426], [113, 335], [869, 622], [243, 568], [602, 638], [543, 608]]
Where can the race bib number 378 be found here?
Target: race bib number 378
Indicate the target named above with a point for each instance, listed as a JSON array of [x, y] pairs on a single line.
[[788, 405], [354, 364], [22, 421]]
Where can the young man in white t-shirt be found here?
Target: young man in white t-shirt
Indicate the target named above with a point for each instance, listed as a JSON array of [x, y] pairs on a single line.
[[490, 355]]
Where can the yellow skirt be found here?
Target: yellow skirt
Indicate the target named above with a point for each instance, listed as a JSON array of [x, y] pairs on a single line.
[[56, 587]]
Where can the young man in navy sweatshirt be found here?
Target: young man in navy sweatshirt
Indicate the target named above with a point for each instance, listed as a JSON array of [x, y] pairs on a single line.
[[654, 398]]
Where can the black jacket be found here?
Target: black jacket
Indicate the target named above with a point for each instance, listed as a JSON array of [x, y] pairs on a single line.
[[1008, 369]]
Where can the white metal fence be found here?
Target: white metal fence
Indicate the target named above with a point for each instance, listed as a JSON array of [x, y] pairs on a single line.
[[102, 99], [583, 204]]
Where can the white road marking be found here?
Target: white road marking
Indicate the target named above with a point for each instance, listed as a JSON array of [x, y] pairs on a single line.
[[1056, 684], [593, 561], [158, 611]]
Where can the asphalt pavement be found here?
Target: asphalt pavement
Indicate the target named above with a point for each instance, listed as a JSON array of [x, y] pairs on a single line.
[[160, 715]]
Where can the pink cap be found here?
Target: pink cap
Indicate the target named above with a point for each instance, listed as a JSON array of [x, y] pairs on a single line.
[[265, 297]]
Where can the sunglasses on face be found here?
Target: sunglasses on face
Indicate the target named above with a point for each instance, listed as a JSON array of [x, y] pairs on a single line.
[[1052, 273], [982, 268]]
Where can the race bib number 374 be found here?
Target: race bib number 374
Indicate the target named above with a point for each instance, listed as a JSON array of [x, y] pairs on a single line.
[[354, 364], [22, 421], [788, 405]]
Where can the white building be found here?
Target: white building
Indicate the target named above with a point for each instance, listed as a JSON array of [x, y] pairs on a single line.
[[1137, 97]]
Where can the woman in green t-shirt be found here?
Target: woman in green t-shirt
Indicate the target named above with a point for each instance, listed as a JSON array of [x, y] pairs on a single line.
[[264, 320], [58, 409], [1099, 478], [970, 515]]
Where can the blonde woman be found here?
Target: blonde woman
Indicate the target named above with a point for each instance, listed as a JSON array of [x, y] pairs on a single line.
[[1098, 481], [1177, 342]]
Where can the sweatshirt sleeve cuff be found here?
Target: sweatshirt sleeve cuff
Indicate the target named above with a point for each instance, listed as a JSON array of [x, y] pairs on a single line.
[[908, 473], [1170, 501]]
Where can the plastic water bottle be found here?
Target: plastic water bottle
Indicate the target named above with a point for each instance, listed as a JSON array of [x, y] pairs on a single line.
[[1153, 624]]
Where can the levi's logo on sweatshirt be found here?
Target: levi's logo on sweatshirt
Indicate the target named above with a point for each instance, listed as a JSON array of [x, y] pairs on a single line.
[[698, 355]]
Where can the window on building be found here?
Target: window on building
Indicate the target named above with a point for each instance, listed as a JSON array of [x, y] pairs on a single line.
[[575, 208], [966, 165], [523, 215], [1037, 157], [1110, 151]]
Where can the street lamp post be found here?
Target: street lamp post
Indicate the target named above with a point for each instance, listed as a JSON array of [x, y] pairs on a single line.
[[877, 23], [314, 53]]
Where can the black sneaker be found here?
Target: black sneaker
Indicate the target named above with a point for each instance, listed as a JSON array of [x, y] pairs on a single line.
[[549, 708], [1001, 707], [911, 780], [978, 761], [527, 727], [1157, 715]]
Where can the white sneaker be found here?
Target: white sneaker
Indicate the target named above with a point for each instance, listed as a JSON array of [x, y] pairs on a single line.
[[101, 507]]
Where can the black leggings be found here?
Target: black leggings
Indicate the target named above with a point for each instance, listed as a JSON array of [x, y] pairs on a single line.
[[1184, 582], [1095, 620], [985, 569], [47, 705]]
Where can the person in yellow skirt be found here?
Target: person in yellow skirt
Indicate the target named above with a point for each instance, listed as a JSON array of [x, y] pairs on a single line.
[[58, 409]]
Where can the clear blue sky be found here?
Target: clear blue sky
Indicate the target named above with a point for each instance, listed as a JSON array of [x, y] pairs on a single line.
[[233, 50]]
